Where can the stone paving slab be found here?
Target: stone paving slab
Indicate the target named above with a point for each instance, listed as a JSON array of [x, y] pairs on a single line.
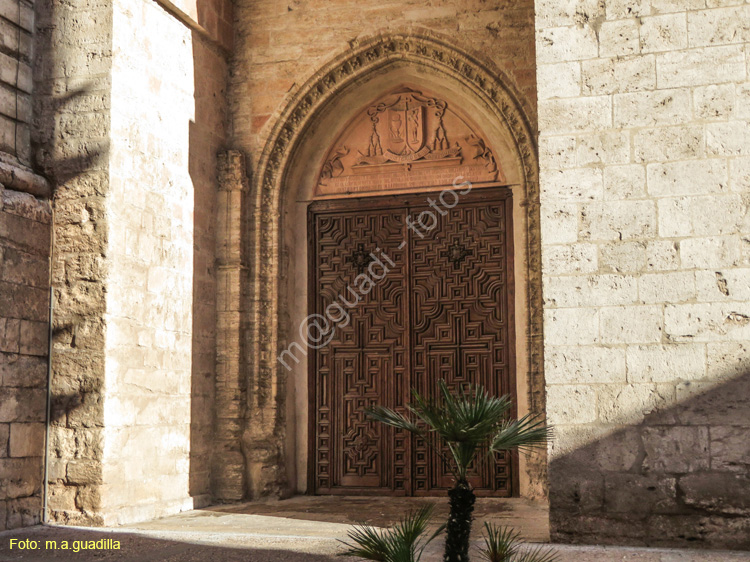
[[257, 538], [528, 517]]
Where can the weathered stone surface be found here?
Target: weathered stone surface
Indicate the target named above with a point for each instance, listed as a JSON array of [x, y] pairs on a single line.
[[668, 287], [591, 290], [619, 38], [26, 439], [619, 74], [666, 363], [624, 220], [717, 492], [634, 493], [561, 80], [669, 143], [84, 472], [21, 477], [718, 27], [707, 322], [730, 449], [728, 360], [672, 217], [664, 33], [603, 148], [646, 109], [585, 365], [577, 184], [714, 102], [711, 252], [22, 405], [631, 403], [560, 223], [624, 182], [579, 491], [677, 449], [576, 114], [630, 324], [559, 44], [22, 370], [572, 405], [4, 436]]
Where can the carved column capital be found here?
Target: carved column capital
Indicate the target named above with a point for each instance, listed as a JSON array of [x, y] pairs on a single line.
[[232, 171]]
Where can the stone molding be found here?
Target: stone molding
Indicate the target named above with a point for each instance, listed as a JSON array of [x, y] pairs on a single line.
[[263, 438], [15, 176], [228, 464]]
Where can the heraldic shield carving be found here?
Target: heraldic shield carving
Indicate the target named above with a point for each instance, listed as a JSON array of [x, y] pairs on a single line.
[[406, 140]]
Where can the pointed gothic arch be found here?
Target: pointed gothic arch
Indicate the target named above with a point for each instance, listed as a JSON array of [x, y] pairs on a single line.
[[269, 320]]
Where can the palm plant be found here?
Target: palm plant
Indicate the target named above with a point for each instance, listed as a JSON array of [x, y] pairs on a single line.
[[463, 424], [400, 543], [503, 544]]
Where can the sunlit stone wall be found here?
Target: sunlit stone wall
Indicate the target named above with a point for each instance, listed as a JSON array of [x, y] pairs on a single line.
[[645, 181]]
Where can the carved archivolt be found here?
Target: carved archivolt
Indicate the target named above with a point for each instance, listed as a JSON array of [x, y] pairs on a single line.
[[266, 377], [407, 139]]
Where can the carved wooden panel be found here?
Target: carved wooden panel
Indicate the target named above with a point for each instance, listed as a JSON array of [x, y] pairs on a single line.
[[438, 306], [407, 139], [460, 272], [366, 360]]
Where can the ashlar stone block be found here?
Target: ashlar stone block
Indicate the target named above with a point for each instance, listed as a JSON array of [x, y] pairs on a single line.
[[666, 363], [630, 403], [676, 449], [630, 324]]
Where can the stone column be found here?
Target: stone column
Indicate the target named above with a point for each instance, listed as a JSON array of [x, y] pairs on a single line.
[[228, 461]]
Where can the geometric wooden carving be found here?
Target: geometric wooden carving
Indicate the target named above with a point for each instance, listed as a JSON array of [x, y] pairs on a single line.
[[462, 322], [406, 139], [442, 311]]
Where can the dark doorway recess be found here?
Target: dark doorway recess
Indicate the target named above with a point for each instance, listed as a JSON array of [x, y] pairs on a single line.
[[409, 289]]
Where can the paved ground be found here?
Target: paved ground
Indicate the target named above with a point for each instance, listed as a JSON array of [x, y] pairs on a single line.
[[303, 529]]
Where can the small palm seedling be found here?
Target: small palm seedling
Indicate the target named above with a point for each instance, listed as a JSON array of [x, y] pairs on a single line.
[[401, 543], [503, 544], [464, 423]]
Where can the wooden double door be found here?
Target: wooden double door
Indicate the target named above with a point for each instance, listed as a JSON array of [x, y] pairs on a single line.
[[404, 291]]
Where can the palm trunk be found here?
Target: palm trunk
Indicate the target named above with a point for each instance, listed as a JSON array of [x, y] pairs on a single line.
[[458, 528]]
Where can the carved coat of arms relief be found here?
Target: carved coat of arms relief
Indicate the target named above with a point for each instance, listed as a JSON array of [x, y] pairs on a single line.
[[399, 142]]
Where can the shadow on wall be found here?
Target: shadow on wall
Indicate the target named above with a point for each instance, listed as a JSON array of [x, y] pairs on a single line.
[[207, 136], [60, 163], [679, 478], [70, 142]]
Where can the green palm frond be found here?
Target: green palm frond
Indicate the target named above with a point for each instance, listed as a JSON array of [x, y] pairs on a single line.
[[470, 416], [368, 543], [500, 543], [504, 544], [464, 422], [400, 543], [522, 434], [537, 554], [394, 419]]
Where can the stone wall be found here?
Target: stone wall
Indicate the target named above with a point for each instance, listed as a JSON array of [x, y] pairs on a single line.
[[130, 115], [167, 126], [645, 182], [16, 27], [24, 301], [72, 85], [24, 280], [278, 47]]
